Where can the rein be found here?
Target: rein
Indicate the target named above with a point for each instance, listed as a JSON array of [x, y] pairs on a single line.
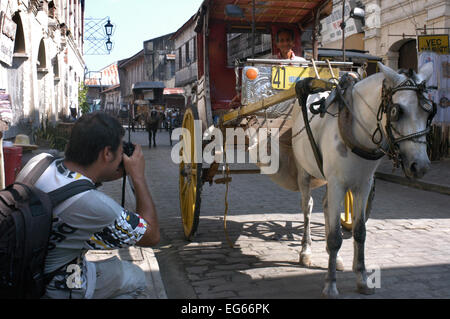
[[387, 143]]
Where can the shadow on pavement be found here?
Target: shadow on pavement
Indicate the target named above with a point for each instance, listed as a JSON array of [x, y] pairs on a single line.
[[212, 269]]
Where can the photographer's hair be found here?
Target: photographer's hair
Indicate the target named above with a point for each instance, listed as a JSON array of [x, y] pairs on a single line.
[[90, 135], [285, 30]]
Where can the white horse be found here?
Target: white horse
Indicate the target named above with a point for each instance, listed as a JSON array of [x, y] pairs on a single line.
[[343, 170]]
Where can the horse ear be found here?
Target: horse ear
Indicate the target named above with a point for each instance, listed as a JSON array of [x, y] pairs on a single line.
[[426, 71], [392, 77]]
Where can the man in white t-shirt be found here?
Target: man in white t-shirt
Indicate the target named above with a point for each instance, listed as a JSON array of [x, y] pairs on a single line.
[[285, 42], [92, 220]]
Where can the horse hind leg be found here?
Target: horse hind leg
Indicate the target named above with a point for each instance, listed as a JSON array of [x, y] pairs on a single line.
[[304, 180]]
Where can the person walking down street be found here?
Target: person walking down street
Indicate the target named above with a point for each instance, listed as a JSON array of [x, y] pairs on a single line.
[[92, 220], [152, 122]]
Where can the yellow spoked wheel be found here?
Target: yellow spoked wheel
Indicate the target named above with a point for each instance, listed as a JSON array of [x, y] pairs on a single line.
[[190, 177], [348, 216]]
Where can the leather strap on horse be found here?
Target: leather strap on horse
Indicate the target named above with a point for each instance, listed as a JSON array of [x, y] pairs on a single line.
[[345, 123], [304, 88], [345, 128]]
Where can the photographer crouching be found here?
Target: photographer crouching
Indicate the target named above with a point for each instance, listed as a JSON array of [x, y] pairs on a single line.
[[92, 220]]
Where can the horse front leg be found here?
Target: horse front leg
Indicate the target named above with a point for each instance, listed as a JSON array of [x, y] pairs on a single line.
[[334, 195], [304, 182], [359, 236]]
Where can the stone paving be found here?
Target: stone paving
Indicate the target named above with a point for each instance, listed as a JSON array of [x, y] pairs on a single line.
[[408, 238]]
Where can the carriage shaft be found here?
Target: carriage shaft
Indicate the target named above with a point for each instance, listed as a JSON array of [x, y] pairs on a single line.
[[260, 105]]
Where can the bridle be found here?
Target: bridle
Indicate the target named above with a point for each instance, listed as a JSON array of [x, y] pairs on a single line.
[[393, 115], [387, 143]]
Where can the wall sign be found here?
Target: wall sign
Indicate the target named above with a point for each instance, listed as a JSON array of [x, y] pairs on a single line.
[[435, 43]]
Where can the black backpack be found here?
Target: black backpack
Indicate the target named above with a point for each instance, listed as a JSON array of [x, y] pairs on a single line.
[[25, 228]]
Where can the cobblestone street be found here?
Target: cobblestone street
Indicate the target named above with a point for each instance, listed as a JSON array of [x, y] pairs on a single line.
[[408, 238]]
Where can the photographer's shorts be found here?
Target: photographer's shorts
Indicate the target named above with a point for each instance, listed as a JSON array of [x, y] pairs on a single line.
[[114, 279]]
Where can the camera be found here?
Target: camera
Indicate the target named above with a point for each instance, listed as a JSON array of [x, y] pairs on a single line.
[[128, 148]]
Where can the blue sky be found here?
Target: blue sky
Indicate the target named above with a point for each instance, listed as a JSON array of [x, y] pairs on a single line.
[[137, 21]]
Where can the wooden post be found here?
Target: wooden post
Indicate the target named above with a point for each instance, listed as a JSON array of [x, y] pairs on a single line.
[[315, 42]]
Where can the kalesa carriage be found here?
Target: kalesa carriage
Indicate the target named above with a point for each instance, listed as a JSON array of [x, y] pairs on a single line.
[[218, 79], [266, 92]]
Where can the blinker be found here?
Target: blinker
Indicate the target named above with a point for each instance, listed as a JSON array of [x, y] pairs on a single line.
[[394, 113]]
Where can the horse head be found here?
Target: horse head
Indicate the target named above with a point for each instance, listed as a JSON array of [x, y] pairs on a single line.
[[408, 117]]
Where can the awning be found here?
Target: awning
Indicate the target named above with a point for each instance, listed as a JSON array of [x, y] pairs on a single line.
[[171, 91]]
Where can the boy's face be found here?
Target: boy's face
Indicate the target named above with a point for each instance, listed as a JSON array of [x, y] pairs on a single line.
[[285, 42]]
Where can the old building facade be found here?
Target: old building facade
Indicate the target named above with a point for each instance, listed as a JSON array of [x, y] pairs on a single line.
[[131, 71], [149, 75], [41, 59], [160, 60], [104, 89], [186, 61], [390, 28]]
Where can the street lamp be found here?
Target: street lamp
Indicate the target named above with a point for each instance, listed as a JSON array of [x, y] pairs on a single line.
[[356, 13], [109, 45], [109, 28]]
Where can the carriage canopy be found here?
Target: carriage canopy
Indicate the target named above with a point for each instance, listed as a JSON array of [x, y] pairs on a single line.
[[293, 11]]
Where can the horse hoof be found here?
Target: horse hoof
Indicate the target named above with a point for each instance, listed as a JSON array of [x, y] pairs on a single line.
[[365, 290], [339, 264], [330, 291], [305, 260]]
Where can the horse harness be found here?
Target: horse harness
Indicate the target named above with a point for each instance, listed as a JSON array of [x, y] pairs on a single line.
[[341, 94], [393, 113]]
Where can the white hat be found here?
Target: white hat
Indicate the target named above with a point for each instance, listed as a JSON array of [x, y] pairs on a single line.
[[24, 141]]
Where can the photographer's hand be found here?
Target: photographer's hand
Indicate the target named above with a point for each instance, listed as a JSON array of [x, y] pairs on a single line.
[[135, 165]]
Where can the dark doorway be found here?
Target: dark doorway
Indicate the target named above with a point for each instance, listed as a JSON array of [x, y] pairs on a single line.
[[407, 56]]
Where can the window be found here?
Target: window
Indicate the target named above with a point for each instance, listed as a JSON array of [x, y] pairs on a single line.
[[19, 44], [194, 50], [172, 68], [42, 64], [55, 65], [188, 61], [180, 58]]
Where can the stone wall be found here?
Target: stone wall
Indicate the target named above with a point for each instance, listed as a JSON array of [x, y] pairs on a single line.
[[47, 64]]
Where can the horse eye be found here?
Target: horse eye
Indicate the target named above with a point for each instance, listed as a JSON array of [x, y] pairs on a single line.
[[395, 112]]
